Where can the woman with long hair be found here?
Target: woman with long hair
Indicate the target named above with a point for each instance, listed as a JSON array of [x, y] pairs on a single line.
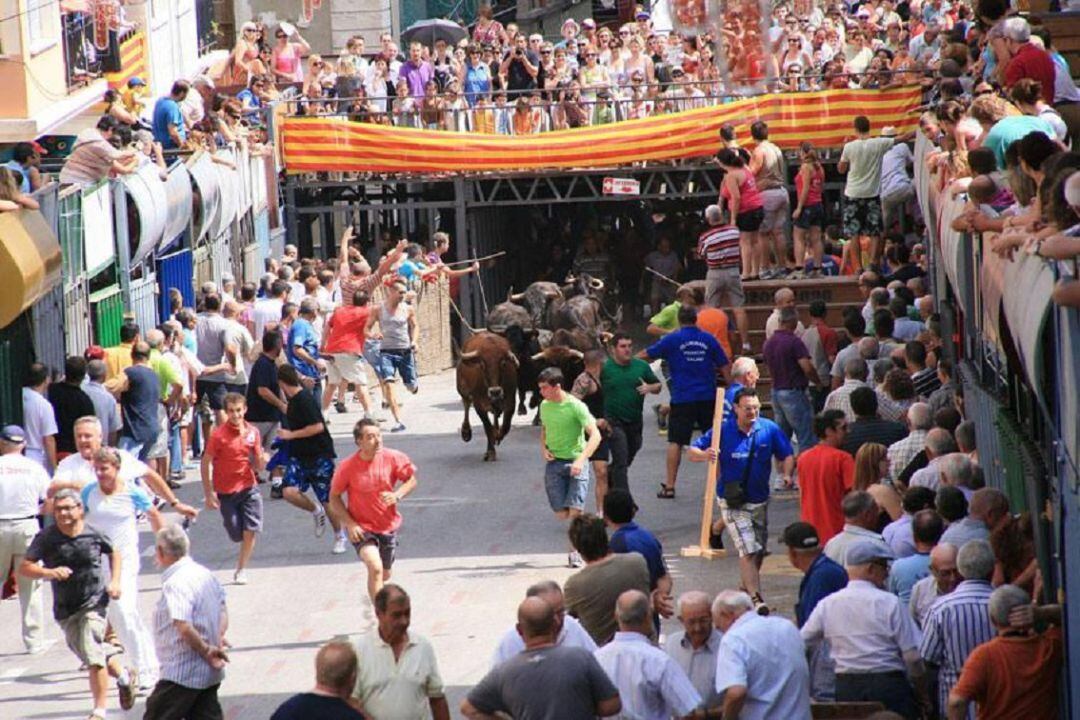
[[871, 467], [745, 206], [11, 197], [286, 53], [809, 212]]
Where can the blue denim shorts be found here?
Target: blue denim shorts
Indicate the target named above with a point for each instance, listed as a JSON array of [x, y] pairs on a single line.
[[401, 362], [564, 490]]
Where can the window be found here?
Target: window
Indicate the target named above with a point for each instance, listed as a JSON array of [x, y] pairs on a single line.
[[41, 23]]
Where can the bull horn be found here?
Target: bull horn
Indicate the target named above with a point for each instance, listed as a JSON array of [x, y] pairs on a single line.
[[513, 358], [516, 297], [605, 337], [596, 284], [537, 357], [576, 353], [471, 355], [570, 279]]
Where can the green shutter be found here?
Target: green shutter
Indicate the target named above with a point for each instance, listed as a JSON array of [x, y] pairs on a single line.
[[108, 313]]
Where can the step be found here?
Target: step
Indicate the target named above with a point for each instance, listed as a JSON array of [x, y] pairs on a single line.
[[838, 290], [834, 314]]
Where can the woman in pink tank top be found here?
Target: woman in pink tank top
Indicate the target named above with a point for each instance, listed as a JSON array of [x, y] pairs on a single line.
[[287, 53], [809, 213], [746, 208]]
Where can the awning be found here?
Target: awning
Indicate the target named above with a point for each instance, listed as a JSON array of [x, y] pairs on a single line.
[[30, 249]]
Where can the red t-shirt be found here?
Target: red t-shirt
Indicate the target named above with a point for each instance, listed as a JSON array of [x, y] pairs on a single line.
[[1035, 63], [346, 328], [231, 450], [825, 475], [1014, 677], [362, 481]]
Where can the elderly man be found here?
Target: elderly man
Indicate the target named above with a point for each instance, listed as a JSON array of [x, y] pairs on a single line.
[[545, 680], [792, 371], [920, 419], [861, 513], [856, 372], [568, 631], [855, 328], [336, 668], [939, 442], [651, 684], [189, 630], [1027, 60], [23, 487], [943, 579], [695, 648], [762, 670], [872, 640], [960, 621], [898, 533], [399, 676], [1015, 675], [782, 298], [105, 406], [987, 510], [74, 557], [958, 471], [718, 245]]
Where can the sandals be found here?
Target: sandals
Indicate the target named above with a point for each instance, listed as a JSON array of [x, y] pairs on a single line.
[[666, 493]]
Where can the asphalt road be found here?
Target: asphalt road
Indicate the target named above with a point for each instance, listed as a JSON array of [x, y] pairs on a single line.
[[475, 536]]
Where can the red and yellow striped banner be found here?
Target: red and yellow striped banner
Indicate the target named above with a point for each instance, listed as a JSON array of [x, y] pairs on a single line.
[[133, 62], [824, 118]]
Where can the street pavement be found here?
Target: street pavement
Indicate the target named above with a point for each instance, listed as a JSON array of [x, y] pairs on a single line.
[[475, 536]]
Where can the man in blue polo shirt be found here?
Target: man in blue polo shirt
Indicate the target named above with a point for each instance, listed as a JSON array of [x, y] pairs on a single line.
[[694, 358], [747, 449], [628, 536]]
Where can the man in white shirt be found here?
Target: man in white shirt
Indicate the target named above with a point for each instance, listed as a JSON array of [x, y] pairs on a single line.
[[860, 161], [939, 443], [855, 374], [872, 638], [651, 684], [268, 310], [568, 630], [782, 298], [696, 647], [900, 453], [38, 418], [761, 670], [23, 487], [861, 515]]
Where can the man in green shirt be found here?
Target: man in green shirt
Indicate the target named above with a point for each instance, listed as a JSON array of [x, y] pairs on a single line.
[[625, 381], [568, 438]]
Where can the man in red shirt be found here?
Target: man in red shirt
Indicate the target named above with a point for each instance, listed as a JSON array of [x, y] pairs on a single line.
[[343, 340], [826, 474], [375, 479], [235, 451], [1028, 60]]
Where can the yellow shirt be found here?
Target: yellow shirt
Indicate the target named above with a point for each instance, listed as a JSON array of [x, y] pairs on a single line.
[[401, 689], [484, 120], [131, 99], [117, 359]]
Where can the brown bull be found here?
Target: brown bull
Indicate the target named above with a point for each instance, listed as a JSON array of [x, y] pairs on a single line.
[[487, 378]]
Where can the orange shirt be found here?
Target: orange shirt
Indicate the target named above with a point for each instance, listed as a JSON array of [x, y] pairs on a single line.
[[362, 481], [231, 449], [1014, 677], [715, 322], [825, 475]]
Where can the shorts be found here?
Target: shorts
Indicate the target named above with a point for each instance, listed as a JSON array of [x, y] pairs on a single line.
[[314, 473], [346, 367], [214, 391], [685, 417], [603, 451], [386, 542], [810, 217], [748, 526], [750, 220], [777, 206], [160, 447], [240, 511], [862, 216], [84, 633], [267, 431], [402, 362], [723, 288], [565, 491]]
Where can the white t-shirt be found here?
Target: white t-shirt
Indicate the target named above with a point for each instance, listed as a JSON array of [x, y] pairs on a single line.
[[863, 157], [75, 468], [263, 313], [115, 516], [23, 484], [39, 422]]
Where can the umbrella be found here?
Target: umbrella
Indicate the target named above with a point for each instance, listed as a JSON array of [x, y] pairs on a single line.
[[427, 32]]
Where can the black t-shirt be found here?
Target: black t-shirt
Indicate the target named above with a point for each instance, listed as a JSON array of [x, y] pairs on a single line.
[[307, 706], [263, 375], [86, 555], [907, 272], [517, 77], [304, 410], [69, 404], [139, 404]]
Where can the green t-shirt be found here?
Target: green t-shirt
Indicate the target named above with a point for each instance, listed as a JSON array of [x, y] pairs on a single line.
[[564, 426], [622, 401], [668, 317], [166, 373]]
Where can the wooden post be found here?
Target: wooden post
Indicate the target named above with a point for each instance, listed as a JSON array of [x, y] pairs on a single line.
[[702, 549]]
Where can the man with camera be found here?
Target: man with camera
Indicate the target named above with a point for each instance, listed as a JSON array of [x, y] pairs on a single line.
[[747, 449], [521, 68]]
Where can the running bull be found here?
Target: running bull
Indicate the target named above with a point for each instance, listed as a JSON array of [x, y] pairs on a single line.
[[487, 377]]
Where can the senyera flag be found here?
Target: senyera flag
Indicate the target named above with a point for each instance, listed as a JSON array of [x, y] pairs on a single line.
[[336, 144]]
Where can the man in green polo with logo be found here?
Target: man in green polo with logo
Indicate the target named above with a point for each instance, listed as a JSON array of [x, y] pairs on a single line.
[[625, 381]]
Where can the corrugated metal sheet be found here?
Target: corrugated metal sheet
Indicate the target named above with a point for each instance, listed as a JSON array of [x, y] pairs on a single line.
[[1069, 382], [47, 320], [231, 194], [207, 206], [178, 196], [77, 324], [107, 310], [146, 190], [257, 182], [253, 263], [221, 257], [956, 251], [143, 301], [14, 363], [982, 408], [175, 271], [48, 199]]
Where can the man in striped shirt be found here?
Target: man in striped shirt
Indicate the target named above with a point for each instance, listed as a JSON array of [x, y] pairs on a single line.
[[960, 621], [356, 276], [718, 246]]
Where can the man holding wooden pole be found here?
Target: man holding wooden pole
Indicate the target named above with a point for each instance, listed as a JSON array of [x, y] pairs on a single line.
[[746, 451]]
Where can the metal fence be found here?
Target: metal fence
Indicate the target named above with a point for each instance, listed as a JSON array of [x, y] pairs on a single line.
[[143, 303], [175, 271], [77, 322], [107, 311], [47, 320]]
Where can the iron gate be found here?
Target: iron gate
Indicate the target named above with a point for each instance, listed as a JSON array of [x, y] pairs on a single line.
[[47, 320], [175, 271], [76, 315], [14, 364], [253, 263], [107, 311], [220, 257], [204, 271], [143, 301]]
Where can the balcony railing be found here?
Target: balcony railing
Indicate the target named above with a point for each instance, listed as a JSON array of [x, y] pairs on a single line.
[[205, 26], [83, 61]]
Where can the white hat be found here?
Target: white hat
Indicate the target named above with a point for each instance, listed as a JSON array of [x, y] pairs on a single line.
[[888, 131]]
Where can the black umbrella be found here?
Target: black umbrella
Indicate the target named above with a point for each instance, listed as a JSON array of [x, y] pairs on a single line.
[[427, 32]]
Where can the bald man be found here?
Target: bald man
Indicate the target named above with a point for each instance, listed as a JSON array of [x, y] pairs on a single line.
[[330, 699], [782, 298]]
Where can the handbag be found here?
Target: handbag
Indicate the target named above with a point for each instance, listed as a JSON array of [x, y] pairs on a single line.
[[735, 491]]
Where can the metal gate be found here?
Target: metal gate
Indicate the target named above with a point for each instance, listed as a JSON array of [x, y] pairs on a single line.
[[175, 271], [253, 263], [221, 257], [14, 364], [143, 302], [204, 270], [107, 311], [76, 316], [47, 319]]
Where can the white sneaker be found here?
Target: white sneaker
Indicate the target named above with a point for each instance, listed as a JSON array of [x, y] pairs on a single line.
[[320, 522], [239, 578], [340, 545], [573, 559]]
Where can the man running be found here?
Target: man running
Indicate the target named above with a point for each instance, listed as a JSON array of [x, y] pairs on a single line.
[[568, 438], [376, 479], [625, 381], [235, 450]]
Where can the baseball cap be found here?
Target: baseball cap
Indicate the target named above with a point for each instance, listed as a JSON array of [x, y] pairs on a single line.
[[135, 81], [13, 434], [94, 352], [801, 536], [864, 552], [642, 15]]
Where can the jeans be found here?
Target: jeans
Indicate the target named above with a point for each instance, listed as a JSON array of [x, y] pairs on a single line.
[[176, 453], [133, 446], [625, 441], [794, 414]]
